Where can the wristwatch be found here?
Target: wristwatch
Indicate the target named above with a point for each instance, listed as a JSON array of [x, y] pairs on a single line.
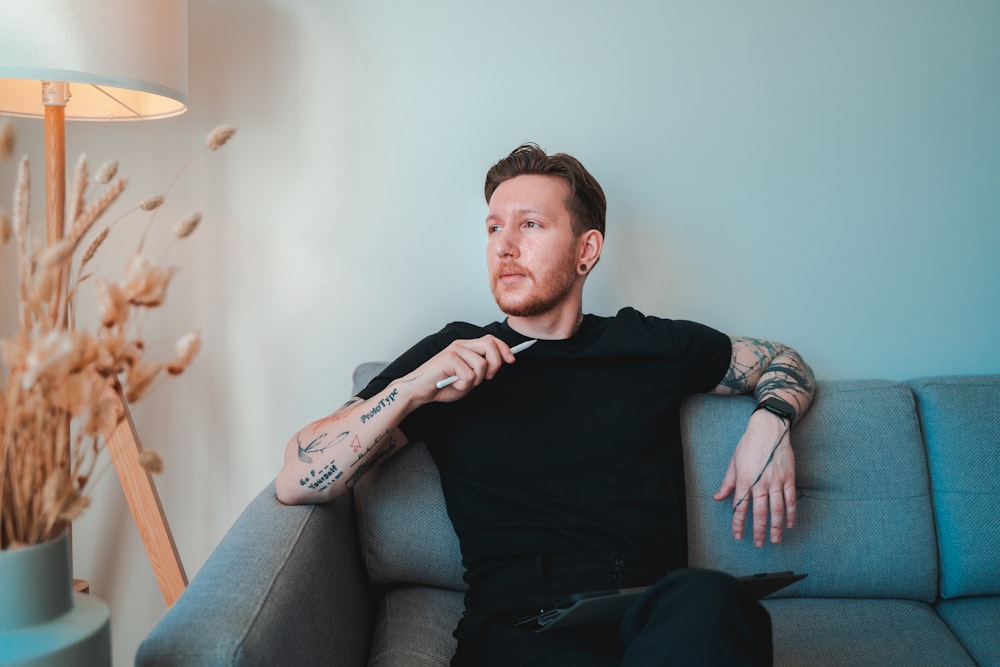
[[778, 407]]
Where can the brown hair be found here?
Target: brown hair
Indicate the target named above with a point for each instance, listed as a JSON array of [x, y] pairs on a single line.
[[586, 202]]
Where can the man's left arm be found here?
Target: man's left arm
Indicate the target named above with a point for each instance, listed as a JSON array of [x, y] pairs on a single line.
[[761, 472]]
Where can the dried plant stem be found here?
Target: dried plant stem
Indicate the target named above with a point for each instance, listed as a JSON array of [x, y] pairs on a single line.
[[54, 413], [21, 217], [86, 220], [94, 245], [80, 182]]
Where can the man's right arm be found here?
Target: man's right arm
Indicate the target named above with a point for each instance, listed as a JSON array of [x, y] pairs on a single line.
[[324, 459]]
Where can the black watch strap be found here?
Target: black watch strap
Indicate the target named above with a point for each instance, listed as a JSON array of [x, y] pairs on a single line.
[[778, 407]]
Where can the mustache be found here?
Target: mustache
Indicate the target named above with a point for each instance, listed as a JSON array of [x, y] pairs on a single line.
[[512, 267]]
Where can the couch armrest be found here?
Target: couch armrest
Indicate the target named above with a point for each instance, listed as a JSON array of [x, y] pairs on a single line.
[[284, 587]]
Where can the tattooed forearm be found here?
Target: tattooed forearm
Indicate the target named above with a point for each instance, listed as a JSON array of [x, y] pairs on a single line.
[[371, 461], [769, 369], [322, 481], [318, 445], [789, 378], [386, 401]]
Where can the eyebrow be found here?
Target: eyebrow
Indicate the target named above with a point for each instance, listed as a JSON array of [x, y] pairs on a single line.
[[520, 211]]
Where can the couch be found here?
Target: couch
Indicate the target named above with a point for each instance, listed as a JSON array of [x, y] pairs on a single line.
[[900, 490]]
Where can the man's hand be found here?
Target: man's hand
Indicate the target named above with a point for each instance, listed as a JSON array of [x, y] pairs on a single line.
[[762, 474], [473, 361]]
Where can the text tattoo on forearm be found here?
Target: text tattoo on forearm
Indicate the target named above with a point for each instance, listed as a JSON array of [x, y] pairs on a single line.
[[388, 400]]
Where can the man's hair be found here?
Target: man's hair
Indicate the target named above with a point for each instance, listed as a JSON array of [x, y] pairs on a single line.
[[586, 202]]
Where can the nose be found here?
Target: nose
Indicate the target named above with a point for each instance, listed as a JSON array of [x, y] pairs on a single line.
[[503, 242]]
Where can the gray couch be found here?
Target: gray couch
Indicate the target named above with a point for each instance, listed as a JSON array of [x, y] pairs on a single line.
[[900, 486]]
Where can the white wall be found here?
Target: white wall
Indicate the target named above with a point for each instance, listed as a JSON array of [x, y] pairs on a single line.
[[823, 174]]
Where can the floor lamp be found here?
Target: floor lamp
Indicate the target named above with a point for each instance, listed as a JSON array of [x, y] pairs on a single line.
[[100, 60]]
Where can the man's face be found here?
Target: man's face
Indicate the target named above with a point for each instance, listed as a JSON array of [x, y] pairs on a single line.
[[531, 252]]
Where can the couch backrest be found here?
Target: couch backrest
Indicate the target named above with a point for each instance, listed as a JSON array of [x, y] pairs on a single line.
[[865, 521], [961, 421], [865, 526]]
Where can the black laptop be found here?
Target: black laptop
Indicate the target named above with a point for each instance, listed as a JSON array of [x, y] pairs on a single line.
[[610, 605]]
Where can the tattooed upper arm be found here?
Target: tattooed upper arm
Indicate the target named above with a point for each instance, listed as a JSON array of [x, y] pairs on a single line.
[[750, 357], [765, 369]]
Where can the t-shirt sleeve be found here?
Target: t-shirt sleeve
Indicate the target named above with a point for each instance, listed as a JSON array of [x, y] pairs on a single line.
[[703, 354], [708, 353]]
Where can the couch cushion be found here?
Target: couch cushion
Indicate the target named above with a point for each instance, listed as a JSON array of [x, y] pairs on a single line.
[[403, 524], [880, 633], [865, 527], [414, 626], [974, 622], [961, 421]]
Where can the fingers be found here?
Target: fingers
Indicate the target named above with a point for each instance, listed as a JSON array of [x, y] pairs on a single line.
[[771, 511], [728, 483], [472, 362]]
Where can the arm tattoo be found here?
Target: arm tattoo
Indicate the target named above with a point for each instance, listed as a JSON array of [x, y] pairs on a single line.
[[747, 367], [373, 460], [770, 369], [318, 445], [788, 377]]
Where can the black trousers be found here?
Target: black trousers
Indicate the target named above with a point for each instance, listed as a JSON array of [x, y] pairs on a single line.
[[688, 617]]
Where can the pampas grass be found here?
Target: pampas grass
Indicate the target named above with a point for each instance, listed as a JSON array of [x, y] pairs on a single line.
[[55, 378]]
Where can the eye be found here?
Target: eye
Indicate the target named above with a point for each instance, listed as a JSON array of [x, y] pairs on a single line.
[[490, 229], [532, 224]]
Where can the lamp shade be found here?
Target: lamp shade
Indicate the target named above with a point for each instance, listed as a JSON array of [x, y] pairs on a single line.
[[123, 59]]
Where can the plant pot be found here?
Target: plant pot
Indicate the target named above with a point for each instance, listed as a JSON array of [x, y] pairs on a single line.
[[42, 621]]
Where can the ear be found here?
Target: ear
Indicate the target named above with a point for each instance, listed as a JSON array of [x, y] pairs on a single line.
[[589, 246]]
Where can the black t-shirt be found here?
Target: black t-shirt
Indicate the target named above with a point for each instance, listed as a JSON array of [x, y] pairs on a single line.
[[574, 448]]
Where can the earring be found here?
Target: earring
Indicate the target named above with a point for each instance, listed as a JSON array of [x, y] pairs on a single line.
[[583, 268]]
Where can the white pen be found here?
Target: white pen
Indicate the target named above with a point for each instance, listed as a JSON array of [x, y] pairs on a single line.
[[520, 347]]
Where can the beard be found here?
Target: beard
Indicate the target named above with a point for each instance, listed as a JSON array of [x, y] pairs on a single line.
[[533, 296]]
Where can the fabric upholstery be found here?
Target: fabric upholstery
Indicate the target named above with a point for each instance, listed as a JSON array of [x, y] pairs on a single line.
[[404, 529], [961, 418], [976, 622], [865, 526], [270, 594], [375, 577], [875, 633], [413, 627], [403, 524]]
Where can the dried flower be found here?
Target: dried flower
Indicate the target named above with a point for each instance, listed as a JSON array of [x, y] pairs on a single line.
[[73, 394], [6, 229], [139, 378], [145, 283], [80, 179], [57, 254], [86, 219], [151, 203], [6, 140], [94, 245], [187, 225], [218, 137], [59, 352], [187, 347], [57, 399], [74, 506], [151, 462], [112, 304], [107, 172]]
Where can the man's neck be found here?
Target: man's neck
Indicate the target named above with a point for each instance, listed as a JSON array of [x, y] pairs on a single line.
[[550, 326]]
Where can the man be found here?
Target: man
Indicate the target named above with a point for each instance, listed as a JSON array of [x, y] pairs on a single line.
[[562, 467]]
